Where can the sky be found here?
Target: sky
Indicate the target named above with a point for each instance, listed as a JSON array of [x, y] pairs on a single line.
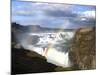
[[53, 15]]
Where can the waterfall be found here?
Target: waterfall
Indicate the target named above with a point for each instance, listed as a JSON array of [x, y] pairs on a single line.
[[57, 52]]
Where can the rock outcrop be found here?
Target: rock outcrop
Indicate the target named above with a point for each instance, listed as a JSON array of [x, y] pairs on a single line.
[[83, 50]]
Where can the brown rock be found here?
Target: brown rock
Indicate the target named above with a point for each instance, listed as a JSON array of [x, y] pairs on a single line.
[[83, 51]]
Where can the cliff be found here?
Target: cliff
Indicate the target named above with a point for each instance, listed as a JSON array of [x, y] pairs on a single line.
[[83, 50]]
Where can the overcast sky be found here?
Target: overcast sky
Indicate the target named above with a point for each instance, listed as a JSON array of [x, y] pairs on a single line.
[[53, 15]]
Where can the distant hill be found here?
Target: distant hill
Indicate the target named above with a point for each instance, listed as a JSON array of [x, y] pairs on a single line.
[[34, 28]]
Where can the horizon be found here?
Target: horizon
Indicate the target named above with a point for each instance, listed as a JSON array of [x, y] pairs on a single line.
[[50, 27]]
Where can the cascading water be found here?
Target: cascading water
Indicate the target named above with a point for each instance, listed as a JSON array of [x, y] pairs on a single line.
[[54, 46]]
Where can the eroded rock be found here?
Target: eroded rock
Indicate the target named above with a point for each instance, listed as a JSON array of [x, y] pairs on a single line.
[[83, 51]]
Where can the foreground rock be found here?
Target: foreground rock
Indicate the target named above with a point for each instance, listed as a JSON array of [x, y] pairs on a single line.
[[25, 61]]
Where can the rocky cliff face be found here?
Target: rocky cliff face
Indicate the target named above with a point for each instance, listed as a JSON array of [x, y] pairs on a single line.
[[83, 51]]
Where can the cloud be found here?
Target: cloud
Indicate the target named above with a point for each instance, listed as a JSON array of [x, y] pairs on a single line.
[[88, 17], [53, 15], [60, 13], [89, 14], [50, 6], [56, 10], [23, 13], [53, 10]]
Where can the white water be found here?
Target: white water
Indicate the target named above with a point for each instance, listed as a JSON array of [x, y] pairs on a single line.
[[58, 58], [53, 55]]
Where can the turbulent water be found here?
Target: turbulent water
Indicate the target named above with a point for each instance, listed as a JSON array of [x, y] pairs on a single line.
[[54, 46]]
